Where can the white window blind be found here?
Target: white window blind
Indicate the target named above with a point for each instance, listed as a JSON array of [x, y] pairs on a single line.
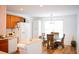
[[53, 26]]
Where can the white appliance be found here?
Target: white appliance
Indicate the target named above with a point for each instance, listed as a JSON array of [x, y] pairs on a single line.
[[24, 31], [12, 45]]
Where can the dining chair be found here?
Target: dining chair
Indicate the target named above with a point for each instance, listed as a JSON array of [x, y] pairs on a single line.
[[50, 41], [60, 42]]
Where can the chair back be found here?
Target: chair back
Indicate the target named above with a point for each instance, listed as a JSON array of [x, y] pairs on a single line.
[[54, 33], [63, 38], [50, 41]]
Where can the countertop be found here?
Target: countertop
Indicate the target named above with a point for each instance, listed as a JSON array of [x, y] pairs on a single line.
[[8, 38]]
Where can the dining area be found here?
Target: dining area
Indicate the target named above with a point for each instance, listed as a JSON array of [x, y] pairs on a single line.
[[53, 41]]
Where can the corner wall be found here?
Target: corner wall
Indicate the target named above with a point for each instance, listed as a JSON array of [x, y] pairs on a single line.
[[2, 20], [70, 28], [77, 32]]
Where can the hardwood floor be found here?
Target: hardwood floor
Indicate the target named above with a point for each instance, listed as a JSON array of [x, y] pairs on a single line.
[[65, 50]]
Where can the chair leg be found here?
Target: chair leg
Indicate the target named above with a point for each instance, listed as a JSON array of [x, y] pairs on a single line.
[[62, 46]]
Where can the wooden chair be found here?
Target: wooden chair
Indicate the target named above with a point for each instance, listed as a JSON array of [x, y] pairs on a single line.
[[50, 41], [43, 38], [57, 43], [54, 33]]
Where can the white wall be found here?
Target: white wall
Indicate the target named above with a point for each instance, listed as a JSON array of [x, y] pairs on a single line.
[[35, 29], [2, 20], [78, 32], [69, 28]]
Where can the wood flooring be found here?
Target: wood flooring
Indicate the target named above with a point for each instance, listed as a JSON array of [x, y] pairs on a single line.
[[65, 50]]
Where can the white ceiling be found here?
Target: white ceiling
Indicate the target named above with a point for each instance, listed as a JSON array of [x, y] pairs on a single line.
[[46, 10]]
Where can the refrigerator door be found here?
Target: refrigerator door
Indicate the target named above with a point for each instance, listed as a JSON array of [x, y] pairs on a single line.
[[25, 31]]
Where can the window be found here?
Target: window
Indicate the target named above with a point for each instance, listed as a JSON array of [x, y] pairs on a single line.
[[53, 26], [50, 26], [39, 26]]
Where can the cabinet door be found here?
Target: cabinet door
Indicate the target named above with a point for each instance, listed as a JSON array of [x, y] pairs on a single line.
[[13, 18], [12, 21], [4, 45], [17, 19], [8, 21]]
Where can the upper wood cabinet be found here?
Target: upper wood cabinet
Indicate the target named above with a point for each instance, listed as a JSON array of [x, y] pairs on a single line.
[[12, 21], [8, 21]]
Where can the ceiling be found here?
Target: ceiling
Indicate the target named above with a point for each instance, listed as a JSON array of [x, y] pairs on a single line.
[[42, 11]]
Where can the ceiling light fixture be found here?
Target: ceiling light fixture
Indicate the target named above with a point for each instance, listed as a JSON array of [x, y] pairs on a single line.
[[21, 9], [41, 5]]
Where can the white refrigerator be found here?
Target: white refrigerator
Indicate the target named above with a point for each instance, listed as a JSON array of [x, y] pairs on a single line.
[[24, 31]]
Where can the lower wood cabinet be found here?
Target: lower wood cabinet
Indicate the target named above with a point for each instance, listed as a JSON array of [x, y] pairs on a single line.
[[4, 45], [8, 45]]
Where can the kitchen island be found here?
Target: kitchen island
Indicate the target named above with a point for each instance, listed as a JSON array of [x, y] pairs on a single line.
[[30, 46], [8, 44]]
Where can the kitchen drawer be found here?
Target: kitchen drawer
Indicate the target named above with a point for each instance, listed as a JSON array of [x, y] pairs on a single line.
[[3, 41]]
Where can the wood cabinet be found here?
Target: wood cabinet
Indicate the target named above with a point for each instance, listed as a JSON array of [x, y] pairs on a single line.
[[4, 45], [12, 21], [8, 21], [8, 45]]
